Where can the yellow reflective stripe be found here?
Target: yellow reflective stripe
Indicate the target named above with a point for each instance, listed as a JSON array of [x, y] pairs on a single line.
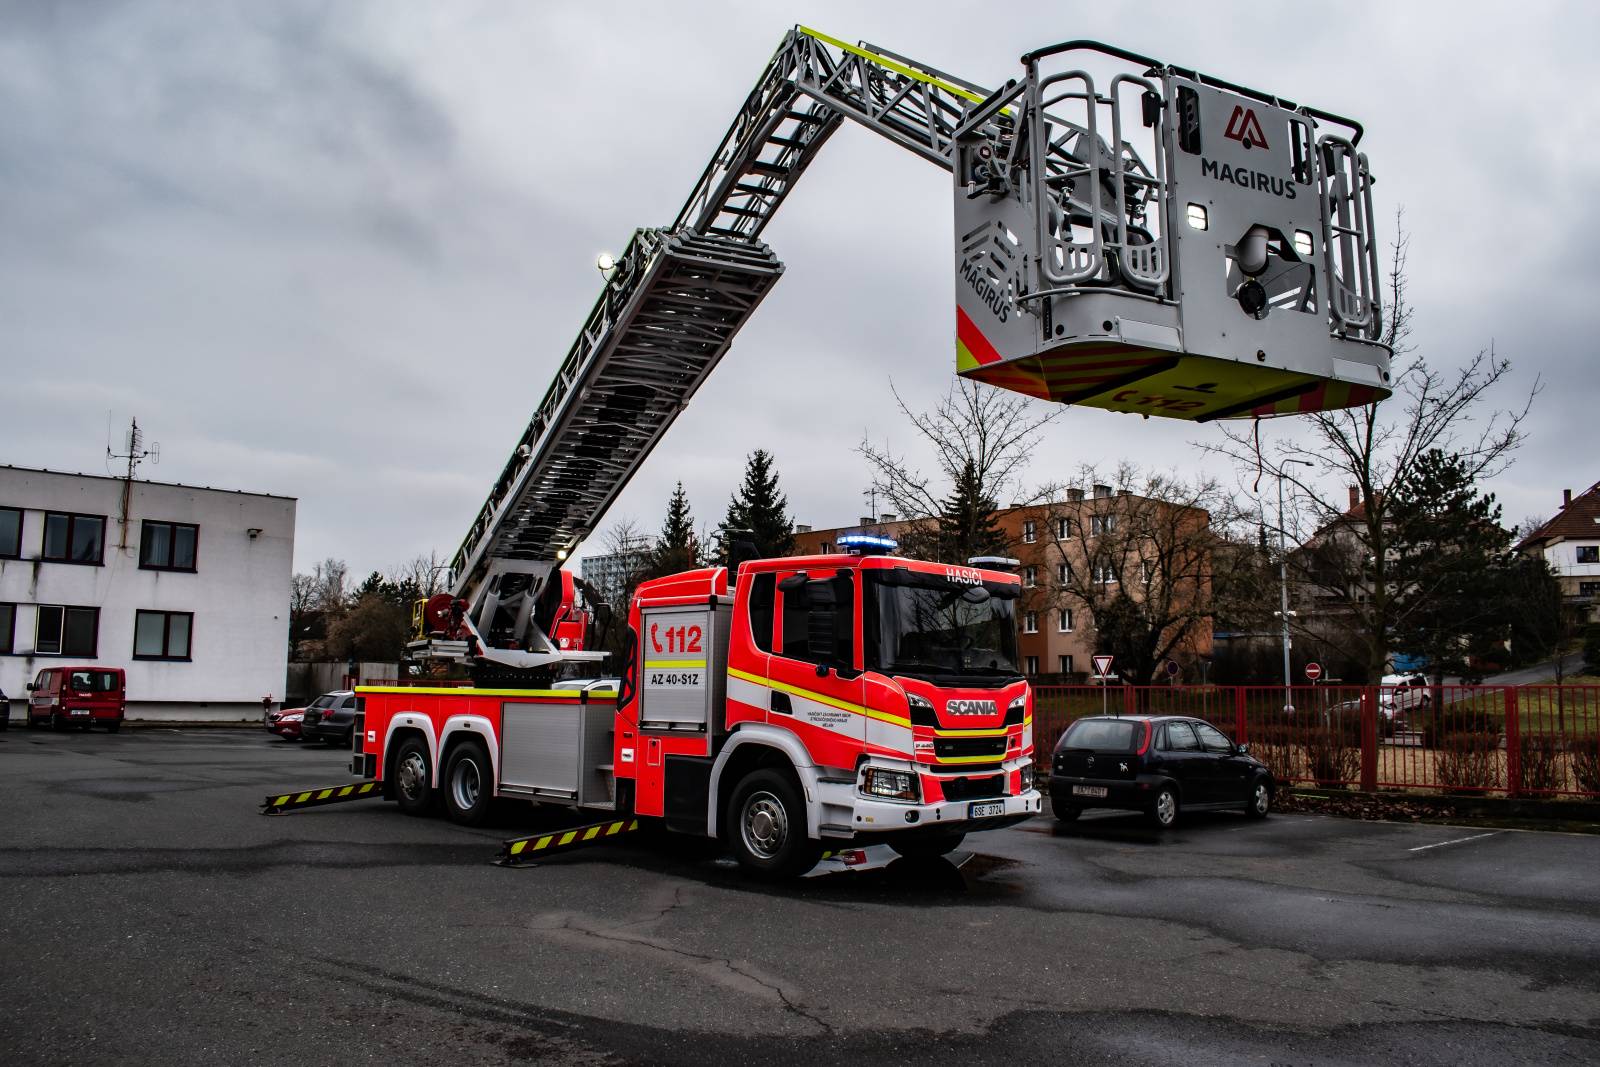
[[891, 65], [566, 839], [516, 846], [821, 698], [967, 759], [998, 731], [542, 842], [661, 664], [403, 690], [302, 797]]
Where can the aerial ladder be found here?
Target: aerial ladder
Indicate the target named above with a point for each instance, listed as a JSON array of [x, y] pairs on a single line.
[[1163, 243]]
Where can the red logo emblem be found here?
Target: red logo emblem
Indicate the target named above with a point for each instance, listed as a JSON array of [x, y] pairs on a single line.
[[1244, 126]]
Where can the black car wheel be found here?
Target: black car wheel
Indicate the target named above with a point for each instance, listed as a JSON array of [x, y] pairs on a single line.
[[1067, 814], [413, 778], [114, 725], [766, 827], [923, 848], [1260, 801], [1163, 814], [468, 784]]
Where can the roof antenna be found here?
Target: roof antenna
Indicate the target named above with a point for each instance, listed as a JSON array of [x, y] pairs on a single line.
[[136, 453]]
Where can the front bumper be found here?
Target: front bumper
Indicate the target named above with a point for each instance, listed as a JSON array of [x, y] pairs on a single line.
[[875, 817], [1136, 794]]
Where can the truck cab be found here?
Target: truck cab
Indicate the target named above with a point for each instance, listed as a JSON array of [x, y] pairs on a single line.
[[830, 700], [64, 697]]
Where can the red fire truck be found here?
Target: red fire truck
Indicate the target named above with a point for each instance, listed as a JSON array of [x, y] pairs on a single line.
[[838, 700]]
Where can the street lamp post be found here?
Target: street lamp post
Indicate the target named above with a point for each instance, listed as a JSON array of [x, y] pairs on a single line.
[[1283, 612]]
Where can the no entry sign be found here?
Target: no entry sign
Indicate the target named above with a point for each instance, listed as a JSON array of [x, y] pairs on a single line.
[[1313, 671]]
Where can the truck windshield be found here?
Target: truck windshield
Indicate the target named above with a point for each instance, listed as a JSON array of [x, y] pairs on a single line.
[[93, 681], [948, 633]]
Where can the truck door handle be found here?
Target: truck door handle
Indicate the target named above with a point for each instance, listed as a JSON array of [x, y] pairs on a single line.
[[780, 703]]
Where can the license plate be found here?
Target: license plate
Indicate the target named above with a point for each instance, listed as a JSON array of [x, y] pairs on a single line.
[[983, 811], [1088, 790], [80, 711]]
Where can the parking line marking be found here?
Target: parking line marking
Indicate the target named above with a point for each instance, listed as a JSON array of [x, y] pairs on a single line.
[[1457, 841]]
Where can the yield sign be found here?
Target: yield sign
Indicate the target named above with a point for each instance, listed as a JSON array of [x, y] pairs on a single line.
[[1102, 665], [1313, 671]]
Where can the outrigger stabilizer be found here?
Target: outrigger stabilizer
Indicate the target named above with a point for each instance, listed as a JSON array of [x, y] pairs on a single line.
[[280, 803]]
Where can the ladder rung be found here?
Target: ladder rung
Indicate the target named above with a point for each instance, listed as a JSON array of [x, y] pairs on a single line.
[[758, 167]]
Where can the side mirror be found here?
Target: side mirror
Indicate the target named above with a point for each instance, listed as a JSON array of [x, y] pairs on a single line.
[[1244, 750], [31, 687]]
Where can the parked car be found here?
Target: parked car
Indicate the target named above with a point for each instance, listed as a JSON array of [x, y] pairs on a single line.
[[1158, 764], [66, 697], [285, 723], [331, 718], [1404, 695]]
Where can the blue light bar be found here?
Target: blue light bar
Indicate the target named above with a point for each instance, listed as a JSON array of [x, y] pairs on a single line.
[[867, 544]]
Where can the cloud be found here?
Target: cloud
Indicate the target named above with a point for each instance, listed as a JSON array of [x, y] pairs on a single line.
[[336, 250]]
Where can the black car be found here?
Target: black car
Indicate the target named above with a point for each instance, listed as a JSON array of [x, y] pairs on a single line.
[[331, 718], [1157, 764]]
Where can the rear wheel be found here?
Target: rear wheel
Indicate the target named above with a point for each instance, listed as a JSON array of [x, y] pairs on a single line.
[[1163, 814], [413, 778], [766, 827], [468, 784], [1068, 814], [1260, 801], [114, 725], [928, 847]]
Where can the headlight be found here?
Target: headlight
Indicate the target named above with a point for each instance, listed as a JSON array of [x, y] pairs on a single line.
[[1019, 704], [1025, 781], [894, 785], [919, 702]]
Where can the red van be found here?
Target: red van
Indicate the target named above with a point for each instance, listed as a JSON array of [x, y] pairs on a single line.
[[78, 696]]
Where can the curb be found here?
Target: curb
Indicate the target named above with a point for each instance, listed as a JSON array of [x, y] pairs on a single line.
[[1480, 807]]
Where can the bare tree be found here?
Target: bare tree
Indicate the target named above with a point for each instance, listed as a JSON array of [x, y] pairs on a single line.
[[1149, 559], [1375, 449], [423, 574], [983, 438]]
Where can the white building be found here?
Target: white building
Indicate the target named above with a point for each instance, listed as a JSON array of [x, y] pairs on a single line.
[[186, 589], [1570, 543]]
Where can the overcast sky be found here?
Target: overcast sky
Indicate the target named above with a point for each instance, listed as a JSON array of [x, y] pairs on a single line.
[[336, 250]]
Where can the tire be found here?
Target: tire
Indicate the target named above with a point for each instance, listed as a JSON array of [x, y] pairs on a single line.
[[927, 848], [468, 784], [413, 778], [766, 827], [33, 723], [1067, 814], [1163, 814], [1260, 800], [58, 722], [114, 726]]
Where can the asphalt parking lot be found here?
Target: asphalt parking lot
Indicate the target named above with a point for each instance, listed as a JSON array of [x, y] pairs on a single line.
[[150, 915]]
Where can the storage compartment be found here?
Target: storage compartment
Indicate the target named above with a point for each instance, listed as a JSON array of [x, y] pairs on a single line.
[[558, 751]]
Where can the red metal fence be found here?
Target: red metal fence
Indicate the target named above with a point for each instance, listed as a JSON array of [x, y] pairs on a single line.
[[1524, 741]]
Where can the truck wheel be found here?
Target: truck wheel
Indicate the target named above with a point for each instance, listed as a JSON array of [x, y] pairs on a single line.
[[468, 784], [927, 848], [413, 778], [766, 826]]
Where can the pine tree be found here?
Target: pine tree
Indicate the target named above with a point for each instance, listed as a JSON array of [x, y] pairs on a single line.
[[757, 512], [675, 550], [967, 521]]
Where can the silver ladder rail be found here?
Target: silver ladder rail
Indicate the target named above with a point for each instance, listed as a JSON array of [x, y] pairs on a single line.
[[670, 310]]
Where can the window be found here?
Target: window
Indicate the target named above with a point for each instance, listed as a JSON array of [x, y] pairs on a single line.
[[162, 634], [827, 548], [1064, 529], [1180, 738], [1102, 524], [1588, 589], [1213, 740], [1102, 573], [819, 619], [10, 533], [761, 601], [73, 538], [94, 681], [1064, 620], [1589, 553], [1144, 573], [8, 627], [1033, 664], [1066, 664], [1030, 625], [167, 546], [1030, 577], [1064, 574], [1030, 532], [65, 631]]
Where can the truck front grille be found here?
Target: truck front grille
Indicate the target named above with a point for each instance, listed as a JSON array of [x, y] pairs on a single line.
[[974, 788], [969, 746]]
